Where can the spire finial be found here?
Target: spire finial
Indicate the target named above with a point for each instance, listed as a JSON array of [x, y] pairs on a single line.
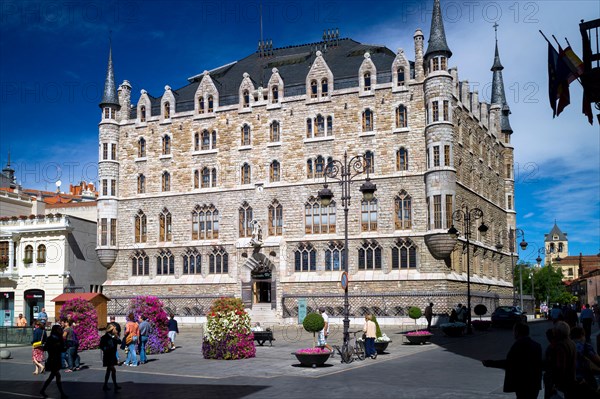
[[437, 35], [496, 30], [110, 89]]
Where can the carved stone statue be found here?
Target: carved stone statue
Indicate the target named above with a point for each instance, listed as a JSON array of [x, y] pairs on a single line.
[[256, 239]]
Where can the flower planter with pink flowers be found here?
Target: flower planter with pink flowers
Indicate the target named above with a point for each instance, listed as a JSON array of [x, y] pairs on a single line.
[[312, 357], [418, 337]]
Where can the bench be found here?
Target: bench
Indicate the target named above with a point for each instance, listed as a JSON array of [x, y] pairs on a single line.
[[263, 336]]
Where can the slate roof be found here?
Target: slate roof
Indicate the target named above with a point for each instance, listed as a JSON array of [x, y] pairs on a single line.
[[293, 64], [555, 230]]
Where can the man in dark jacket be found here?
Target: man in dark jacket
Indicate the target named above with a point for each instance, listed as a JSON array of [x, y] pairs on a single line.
[[523, 365], [117, 327]]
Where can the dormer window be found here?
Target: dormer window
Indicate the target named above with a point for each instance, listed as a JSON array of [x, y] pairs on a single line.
[[313, 89], [143, 113], [324, 87], [367, 81], [246, 98], [274, 94], [167, 110], [400, 75], [211, 104], [201, 105]]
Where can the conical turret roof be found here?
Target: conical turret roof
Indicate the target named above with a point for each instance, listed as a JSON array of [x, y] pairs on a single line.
[[437, 35], [110, 96]]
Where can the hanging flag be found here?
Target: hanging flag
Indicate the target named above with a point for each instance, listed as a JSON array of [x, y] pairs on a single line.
[[587, 54], [552, 81], [562, 76], [573, 62]]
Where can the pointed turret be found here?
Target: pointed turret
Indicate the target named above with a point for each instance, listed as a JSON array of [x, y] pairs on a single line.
[[437, 36], [498, 94], [110, 96]]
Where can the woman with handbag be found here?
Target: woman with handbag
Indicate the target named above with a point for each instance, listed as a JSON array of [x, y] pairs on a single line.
[[37, 351], [132, 337]]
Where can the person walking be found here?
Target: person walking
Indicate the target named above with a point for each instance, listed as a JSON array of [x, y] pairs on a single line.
[[145, 330], [370, 333], [132, 336], [55, 347], [586, 318], [72, 344], [117, 327], [37, 351], [429, 315], [173, 330], [324, 333], [587, 360], [523, 365], [109, 345]]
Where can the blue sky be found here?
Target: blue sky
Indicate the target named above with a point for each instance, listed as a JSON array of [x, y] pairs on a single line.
[[53, 62]]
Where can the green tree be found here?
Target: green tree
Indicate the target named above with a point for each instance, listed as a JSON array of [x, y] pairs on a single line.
[[549, 286]]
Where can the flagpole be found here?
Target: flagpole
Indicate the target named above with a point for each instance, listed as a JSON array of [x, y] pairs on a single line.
[[557, 43], [568, 44], [544, 36]]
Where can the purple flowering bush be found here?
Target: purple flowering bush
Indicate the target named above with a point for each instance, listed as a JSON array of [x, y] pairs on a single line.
[[227, 331], [152, 308], [86, 322]]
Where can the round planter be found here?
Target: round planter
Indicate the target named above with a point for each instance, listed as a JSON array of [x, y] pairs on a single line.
[[453, 331], [418, 339], [380, 347], [4, 354], [312, 359]]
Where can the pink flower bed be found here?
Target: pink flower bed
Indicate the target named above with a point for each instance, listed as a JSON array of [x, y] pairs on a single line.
[[86, 322], [312, 351], [152, 308], [419, 333]]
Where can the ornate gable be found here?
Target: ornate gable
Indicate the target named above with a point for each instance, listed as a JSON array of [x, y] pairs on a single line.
[[319, 81], [367, 76]]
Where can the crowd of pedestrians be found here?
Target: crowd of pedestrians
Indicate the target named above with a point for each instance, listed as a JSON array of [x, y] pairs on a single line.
[[569, 365]]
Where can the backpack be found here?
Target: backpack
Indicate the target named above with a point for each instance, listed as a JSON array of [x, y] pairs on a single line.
[[74, 341]]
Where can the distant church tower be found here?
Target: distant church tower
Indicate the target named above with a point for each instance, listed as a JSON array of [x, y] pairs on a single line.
[[556, 244]]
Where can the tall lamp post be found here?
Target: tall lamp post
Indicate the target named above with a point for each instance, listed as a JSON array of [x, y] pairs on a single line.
[[344, 173], [465, 215], [514, 234]]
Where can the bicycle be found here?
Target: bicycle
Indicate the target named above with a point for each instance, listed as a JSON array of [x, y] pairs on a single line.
[[350, 352]]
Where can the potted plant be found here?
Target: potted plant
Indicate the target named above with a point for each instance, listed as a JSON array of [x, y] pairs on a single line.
[[418, 337], [454, 329], [381, 341], [3, 263], [313, 322], [27, 261], [481, 325]]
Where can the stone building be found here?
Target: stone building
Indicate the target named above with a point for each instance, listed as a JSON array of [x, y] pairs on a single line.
[[185, 176]]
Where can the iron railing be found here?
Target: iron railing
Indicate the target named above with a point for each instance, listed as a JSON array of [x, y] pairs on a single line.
[[176, 305]]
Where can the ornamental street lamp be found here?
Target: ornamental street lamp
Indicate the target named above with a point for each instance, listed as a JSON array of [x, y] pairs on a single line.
[[344, 173], [514, 234], [465, 216]]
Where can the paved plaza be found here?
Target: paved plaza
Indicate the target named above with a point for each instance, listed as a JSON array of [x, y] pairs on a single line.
[[445, 368]]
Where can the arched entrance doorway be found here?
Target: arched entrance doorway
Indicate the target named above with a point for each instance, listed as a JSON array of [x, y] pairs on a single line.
[[261, 284]]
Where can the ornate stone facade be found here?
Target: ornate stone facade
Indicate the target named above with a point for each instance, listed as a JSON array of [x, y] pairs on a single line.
[[248, 152]]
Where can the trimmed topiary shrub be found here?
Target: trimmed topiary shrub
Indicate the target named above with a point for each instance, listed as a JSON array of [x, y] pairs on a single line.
[[480, 310], [227, 332], [313, 322], [415, 313], [152, 308], [85, 318]]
